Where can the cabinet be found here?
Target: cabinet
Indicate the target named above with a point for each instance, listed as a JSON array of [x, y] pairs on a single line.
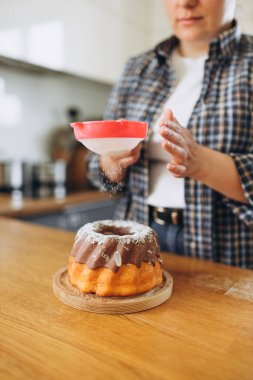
[[89, 38]]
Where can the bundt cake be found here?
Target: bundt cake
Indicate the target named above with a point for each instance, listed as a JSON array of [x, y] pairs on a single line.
[[115, 258]]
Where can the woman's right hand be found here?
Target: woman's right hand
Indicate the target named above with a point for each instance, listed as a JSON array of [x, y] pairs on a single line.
[[115, 166]]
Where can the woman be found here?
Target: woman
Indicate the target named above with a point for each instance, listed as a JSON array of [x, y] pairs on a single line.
[[192, 180]]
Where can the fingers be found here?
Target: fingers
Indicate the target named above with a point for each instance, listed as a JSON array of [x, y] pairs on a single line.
[[171, 124], [115, 166], [138, 148], [124, 163], [178, 152], [172, 135], [174, 140], [168, 114], [171, 130], [177, 170], [168, 120], [127, 158], [120, 156], [180, 144], [131, 159], [127, 154]]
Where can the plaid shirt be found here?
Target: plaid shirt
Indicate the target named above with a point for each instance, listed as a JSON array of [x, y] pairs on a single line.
[[215, 227]]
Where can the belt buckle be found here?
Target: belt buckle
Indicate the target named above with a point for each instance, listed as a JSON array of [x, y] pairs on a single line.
[[156, 217]]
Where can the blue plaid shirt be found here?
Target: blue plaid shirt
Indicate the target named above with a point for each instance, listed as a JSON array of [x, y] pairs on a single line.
[[215, 227]]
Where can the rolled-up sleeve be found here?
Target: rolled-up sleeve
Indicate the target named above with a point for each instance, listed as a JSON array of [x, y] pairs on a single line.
[[244, 165]]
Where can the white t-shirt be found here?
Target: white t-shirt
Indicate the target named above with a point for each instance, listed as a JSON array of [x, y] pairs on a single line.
[[164, 189]]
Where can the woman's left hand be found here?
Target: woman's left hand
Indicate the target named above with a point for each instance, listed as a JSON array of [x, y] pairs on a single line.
[[178, 141], [190, 159]]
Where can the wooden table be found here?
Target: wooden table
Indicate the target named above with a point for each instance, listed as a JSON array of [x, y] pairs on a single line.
[[204, 331]]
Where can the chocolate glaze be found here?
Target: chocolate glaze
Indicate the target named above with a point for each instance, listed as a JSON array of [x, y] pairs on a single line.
[[116, 250]]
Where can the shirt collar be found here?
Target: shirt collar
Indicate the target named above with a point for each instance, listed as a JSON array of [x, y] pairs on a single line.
[[225, 43], [221, 46]]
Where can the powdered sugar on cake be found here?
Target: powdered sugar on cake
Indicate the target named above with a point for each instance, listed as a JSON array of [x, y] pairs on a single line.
[[137, 233]]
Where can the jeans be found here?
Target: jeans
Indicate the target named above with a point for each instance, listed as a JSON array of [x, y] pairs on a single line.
[[171, 237]]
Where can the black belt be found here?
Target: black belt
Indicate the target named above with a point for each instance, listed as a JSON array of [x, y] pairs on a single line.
[[164, 216]]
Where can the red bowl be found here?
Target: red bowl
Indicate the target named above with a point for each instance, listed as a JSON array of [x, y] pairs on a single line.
[[110, 128]]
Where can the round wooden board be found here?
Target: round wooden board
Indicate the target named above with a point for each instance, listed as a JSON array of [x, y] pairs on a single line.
[[72, 296]]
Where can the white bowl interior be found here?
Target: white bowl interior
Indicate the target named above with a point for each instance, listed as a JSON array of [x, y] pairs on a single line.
[[114, 145]]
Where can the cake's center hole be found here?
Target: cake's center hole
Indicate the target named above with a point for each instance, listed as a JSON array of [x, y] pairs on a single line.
[[113, 230]]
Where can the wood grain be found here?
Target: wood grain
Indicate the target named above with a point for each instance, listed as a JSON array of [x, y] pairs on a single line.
[[72, 296], [204, 331]]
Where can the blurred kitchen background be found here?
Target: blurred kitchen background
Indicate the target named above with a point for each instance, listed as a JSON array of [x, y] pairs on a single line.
[[58, 62]]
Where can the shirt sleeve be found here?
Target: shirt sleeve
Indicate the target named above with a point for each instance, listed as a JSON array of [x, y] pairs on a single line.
[[244, 165]]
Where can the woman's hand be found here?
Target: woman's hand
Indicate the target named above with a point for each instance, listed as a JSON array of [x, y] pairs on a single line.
[[201, 163], [115, 166], [178, 141]]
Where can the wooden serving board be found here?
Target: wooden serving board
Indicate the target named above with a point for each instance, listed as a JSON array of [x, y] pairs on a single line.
[[73, 297]]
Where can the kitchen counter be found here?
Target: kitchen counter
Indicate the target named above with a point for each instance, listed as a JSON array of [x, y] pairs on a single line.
[[204, 331], [29, 206]]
